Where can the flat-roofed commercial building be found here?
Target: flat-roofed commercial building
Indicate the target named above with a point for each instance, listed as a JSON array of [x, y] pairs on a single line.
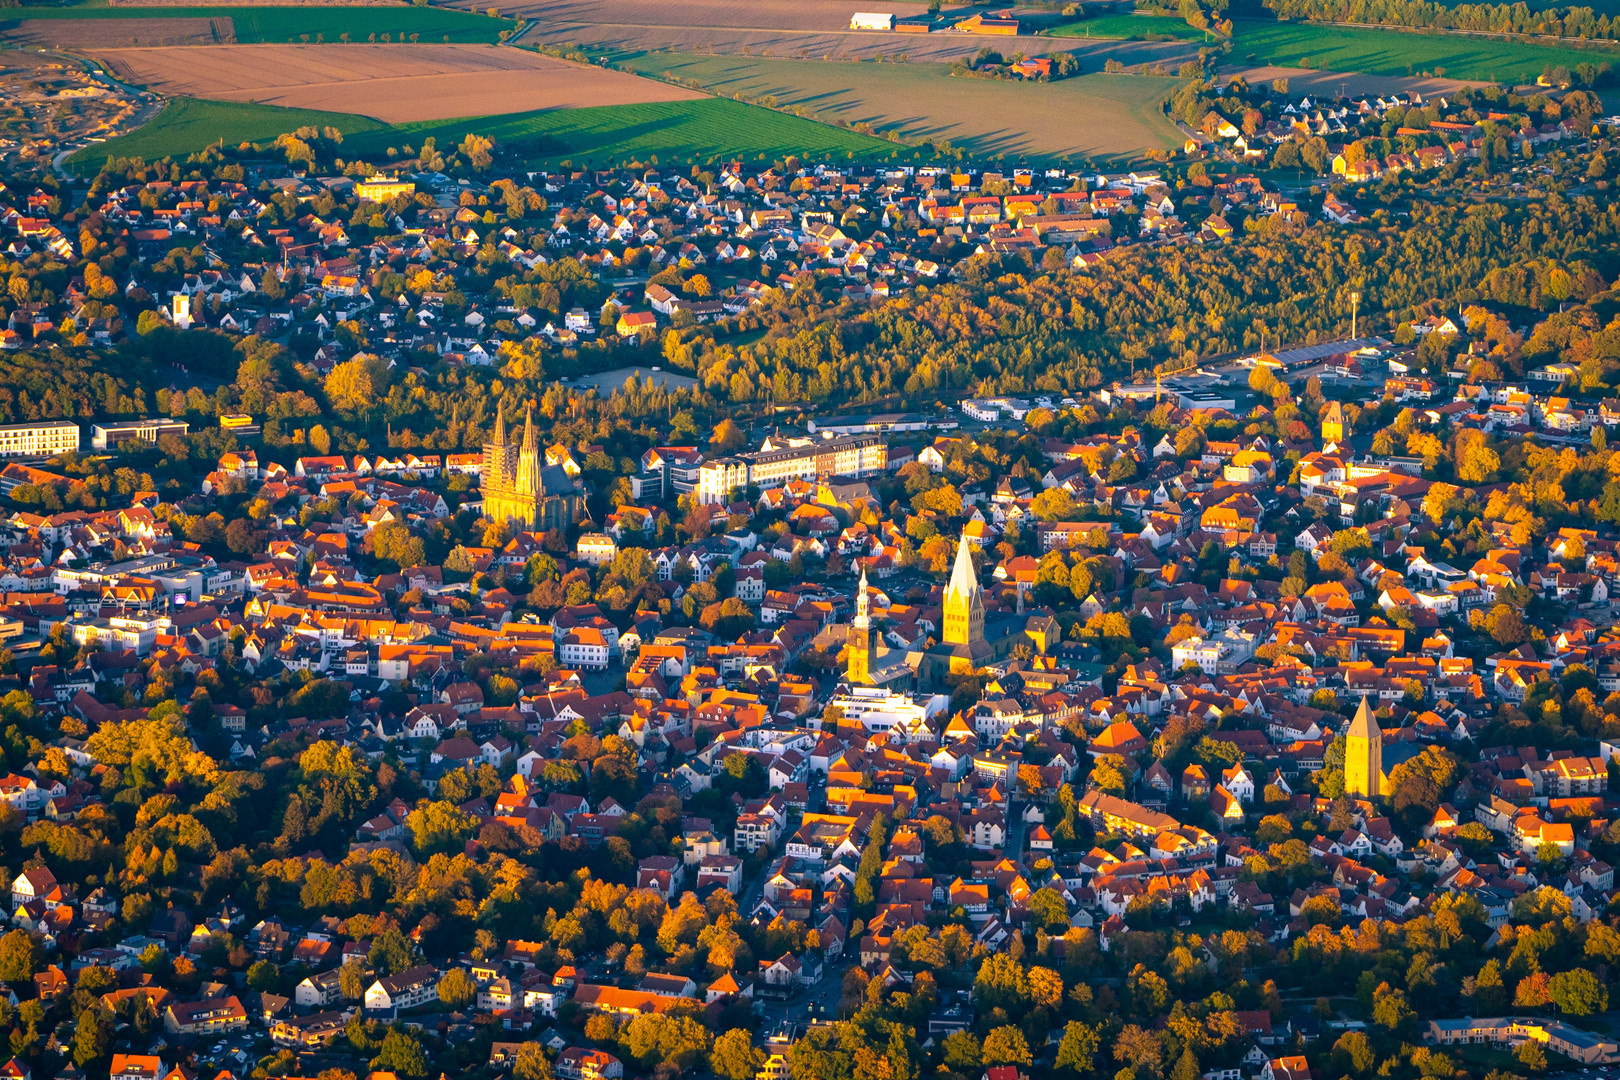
[[107, 436]]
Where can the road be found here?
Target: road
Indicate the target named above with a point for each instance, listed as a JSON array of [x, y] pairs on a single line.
[[147, 109], [1013, 846]]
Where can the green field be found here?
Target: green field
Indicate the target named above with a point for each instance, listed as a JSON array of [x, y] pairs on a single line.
[[1395, 52], [704, 130], [187, 125], [1093, 115], [261, 25], [1141, 27], [708, 129]]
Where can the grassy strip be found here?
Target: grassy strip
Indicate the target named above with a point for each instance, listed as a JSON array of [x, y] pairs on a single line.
[[187, 125], [704, 130], [709, 129], [1395, 52], [1140, 27]]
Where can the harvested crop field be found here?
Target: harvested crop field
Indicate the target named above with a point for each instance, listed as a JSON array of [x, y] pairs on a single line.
[[396, 84], [807, 30], [1092, 115], [116, 33], [762, 15], [277, 23]]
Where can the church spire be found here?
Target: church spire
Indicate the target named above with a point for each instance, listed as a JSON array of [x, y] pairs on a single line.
[[1364, 756], [1365, 725], [500, 425], [531, 438], [964, 607], [528, 458], [863, 604], [964, 582]]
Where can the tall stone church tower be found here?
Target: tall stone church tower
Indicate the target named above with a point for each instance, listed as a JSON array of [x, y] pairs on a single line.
[[1364, 756], [964, 607], [1333, 425], [860, 637]]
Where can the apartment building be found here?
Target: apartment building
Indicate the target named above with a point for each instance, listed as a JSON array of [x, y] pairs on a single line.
[[852, 455], [45, 439]]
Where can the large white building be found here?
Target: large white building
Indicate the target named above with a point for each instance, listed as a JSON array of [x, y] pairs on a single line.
[[879, 710], [406, 990], [44, 439], [852, 455], [1219, 655]]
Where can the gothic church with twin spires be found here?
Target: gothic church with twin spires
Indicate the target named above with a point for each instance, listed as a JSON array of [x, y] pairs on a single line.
[[519, 488]]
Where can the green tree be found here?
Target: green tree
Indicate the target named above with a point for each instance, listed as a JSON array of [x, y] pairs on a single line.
[[20, 956], [263, 976], [92, 1037], [391, 952], [728, 438], [1390, 1010], [401, 1053], [1006, 1045], [1357, 1051], [734, 1056], [456, 988], [531, 1063], [1576, 992], [439, 826], [1077, 1051], [1048, 908]]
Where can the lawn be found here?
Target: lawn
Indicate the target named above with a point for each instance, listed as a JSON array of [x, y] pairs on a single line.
[[261, 25], [1394, 52], [709, 129], [1140, 27], [1092, 115], [187, 125]]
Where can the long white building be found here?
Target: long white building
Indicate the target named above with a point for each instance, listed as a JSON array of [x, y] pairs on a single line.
[[47, 438], [854, 455]]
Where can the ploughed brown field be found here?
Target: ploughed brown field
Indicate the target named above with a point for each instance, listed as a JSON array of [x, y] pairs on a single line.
[[396, 84], [116, 33]]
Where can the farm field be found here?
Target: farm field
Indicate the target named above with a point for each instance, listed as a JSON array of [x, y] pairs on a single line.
[[763, 15], [704, 129], [257, 25], [1129, 26], [1092, 115], [187, 125], [1394, 52], [811, 30], [1312, 84], [87, 34], [708, 129], [392, 83]]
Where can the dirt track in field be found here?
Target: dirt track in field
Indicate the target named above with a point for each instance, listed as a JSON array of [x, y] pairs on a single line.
[[392, 83]]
